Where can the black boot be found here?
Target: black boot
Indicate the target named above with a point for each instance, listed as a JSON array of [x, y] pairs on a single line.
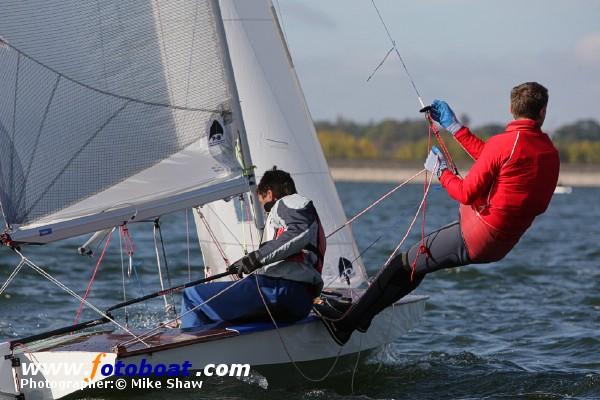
[[331, 309], [390, 285]]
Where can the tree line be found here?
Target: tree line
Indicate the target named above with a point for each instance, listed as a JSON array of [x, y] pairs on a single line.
[[407, 140]]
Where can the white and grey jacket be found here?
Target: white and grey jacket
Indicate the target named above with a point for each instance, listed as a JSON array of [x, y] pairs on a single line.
[[290, 244]]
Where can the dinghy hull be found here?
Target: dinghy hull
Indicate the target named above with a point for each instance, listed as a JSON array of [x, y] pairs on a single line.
[[259, 345]]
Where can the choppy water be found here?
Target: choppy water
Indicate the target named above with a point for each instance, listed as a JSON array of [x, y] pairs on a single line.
[[523, 328]]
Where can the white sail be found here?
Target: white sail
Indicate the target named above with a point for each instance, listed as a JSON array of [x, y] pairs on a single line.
[[111, 111], [280, 132]]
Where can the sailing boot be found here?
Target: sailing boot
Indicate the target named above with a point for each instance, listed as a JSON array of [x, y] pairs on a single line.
[[331, 309], [390, 285]]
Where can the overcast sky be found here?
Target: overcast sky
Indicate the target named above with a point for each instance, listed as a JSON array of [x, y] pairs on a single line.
[[468, 52]]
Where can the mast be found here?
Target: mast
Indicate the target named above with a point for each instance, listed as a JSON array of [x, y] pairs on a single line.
[[237, 111]]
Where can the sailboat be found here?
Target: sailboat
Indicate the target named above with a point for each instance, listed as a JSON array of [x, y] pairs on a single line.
[[114, 113]]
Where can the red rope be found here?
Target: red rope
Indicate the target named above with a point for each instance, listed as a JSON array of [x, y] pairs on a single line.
[[127, 241], [436, 132], [423, 247], [89, 286]]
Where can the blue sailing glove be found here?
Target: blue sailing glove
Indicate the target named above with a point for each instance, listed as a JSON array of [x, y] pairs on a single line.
[[436, 162], [443, 115]]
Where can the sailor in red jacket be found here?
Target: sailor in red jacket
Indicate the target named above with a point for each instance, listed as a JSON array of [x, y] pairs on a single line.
[[510, 183]]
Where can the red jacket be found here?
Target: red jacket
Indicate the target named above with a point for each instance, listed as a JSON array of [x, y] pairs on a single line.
[[510, 183]]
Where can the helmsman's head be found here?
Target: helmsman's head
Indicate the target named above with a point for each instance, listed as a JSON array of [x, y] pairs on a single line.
[[273, 185], [529, 100]]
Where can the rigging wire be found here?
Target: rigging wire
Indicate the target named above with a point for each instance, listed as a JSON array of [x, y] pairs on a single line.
[[150, 332], [426, 192], [215, 241], [243, 224], [187, 242], [362, 253], [169, 307], [91, 282], [12, 276], [123, 274], [380, 64], [223, 224], [64, 287], [375, 203], [355, 369], [432, 127], [164, 253], [287, 351], [395, 48], [129, 247], [213, 237]]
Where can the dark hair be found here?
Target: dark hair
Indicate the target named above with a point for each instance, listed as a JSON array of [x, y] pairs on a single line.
[[528, 99], [277, 181]]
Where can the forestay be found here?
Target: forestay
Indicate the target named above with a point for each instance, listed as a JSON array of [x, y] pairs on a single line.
[[280, 132], [111, 111]]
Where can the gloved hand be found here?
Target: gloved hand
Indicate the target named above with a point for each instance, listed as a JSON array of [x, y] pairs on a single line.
[[245, 265], [443, 115], [436, 162]]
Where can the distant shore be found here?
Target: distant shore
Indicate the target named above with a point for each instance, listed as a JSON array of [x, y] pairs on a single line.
[[381, 171]]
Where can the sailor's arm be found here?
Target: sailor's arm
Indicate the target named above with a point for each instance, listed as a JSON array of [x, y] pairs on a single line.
[[478, 181], [469, 142], [443, 114], [301, 227]]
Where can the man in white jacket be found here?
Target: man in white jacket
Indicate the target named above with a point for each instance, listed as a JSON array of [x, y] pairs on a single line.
[[288, 265]]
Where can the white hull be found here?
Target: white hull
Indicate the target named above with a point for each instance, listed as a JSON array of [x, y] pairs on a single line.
[[308, 341]]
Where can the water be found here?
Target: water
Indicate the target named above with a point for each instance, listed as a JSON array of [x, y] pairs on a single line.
[[523, 328]]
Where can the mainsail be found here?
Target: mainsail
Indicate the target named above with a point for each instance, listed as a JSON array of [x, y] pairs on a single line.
[[280, 132], [112, 111]]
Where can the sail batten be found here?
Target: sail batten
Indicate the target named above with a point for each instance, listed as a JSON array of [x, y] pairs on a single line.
[[101, 100]]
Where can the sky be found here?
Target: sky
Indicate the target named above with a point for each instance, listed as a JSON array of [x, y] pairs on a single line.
[[467, 52]]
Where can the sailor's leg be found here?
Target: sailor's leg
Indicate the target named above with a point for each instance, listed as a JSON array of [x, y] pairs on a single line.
[[445, 248], [292, 300], [241, 302], [195, 312], [215, 303]]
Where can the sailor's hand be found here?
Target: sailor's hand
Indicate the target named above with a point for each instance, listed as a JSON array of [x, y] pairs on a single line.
[[436, 162], [443, 115], [245, 265]]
